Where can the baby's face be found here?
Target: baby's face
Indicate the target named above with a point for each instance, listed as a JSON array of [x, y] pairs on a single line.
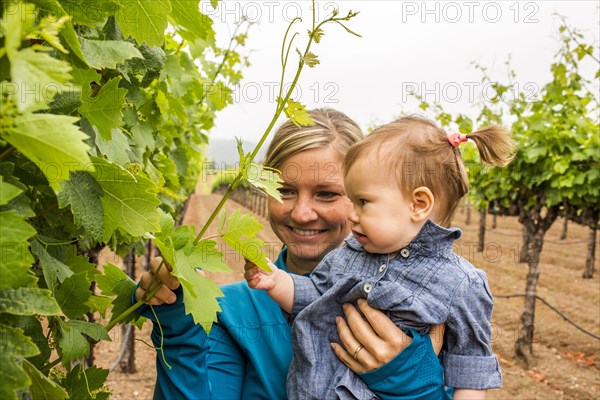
[[381, 216]]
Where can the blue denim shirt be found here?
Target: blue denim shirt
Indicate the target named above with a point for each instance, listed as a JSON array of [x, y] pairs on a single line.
[[424, 285]]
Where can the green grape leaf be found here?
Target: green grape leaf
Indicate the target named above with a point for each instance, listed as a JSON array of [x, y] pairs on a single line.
[[54, 270], [32, 327], [297, 113], [143, 137], [199, 296], [66, 102], [7, 192], [100, 304], [145, 20], [207, 256], [122, 302], [73, 345], [116, 149], [21, 205], [219, 96], [101, 54], [83, 77], [14, 24], [38, 73], [16, 258], [52, 142], [265, 179], [203, 254], [311, 60], [189, 22], [129, 202], [83, 194], [89, 12], [71, 40], [177, 109], [72, 294], [105, 110], [240, 234], [28, 301], [317, 35], [151, 64], [164, 238], [243, 156], [41, 386], [110, 279], [115, 282], [78, 382], [48, 29], [14, 346]]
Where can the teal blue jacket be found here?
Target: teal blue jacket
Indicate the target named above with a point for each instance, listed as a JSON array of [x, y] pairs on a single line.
[[248, 352]]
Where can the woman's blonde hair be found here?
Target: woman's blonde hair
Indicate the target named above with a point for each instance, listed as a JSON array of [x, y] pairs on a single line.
[[420, 154], [331, 128]]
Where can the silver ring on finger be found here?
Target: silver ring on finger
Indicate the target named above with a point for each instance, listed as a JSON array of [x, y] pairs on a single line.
[[358, 349]]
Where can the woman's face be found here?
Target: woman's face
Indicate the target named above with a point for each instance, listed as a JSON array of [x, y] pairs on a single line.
[[313, 218]]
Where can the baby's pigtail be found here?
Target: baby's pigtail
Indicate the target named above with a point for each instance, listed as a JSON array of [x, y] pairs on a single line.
[[495, 145]]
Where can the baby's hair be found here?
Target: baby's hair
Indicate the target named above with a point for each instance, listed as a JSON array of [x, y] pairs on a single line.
[[420, 154]]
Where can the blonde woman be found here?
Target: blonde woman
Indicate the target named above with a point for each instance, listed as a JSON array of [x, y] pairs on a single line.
[[249, 350]]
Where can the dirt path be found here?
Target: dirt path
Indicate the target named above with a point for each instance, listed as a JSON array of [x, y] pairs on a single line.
[[568, 360]]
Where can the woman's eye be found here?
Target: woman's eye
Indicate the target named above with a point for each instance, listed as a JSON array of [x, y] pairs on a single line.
[[285, 192], [328, 195]]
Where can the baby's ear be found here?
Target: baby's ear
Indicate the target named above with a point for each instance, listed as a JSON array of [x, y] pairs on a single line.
[[422, 204]]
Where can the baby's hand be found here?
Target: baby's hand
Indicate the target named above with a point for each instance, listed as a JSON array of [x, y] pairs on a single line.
[[261, 279]]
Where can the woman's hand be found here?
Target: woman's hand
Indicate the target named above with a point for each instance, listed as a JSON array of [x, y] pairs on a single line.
[[370, 344], [163, 275]]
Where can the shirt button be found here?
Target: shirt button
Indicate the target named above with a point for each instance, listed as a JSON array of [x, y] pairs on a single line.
[[404, 253], [382, 268], [367, 287]]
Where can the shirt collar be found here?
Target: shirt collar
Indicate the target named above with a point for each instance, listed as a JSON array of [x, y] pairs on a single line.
[[431, 238]]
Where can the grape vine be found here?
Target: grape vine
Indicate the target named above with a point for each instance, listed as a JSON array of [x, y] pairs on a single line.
[[104, 114]]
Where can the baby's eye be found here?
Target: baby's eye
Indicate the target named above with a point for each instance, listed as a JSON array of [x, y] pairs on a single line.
[[362, 202]]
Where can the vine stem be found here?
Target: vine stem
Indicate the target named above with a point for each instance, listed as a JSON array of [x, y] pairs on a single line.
[[278, 111], [7, 153], [138, 304], [230, 49]]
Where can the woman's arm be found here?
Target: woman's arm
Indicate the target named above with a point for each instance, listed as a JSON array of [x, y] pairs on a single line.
[[226, 364]]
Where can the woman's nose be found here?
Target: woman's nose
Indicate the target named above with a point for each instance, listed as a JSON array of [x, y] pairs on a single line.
[[304, 211]]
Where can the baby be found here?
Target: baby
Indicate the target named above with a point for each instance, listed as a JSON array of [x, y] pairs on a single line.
[[405, 181]]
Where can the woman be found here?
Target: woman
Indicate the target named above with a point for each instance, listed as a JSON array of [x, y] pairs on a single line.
[[249, 349]]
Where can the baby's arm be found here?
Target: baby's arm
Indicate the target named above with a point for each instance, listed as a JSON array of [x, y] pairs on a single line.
[[278, 284], [470, 394]]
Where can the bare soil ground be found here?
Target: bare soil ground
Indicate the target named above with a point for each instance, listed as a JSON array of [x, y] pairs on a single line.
[[568, 364]]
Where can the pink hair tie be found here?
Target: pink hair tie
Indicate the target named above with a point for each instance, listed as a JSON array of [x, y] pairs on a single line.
[[456, 138]]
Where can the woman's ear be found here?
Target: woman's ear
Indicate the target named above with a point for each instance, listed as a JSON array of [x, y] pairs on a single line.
[[422, 204]]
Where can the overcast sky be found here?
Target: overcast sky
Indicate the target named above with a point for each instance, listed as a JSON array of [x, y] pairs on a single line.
[[405, 45]]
